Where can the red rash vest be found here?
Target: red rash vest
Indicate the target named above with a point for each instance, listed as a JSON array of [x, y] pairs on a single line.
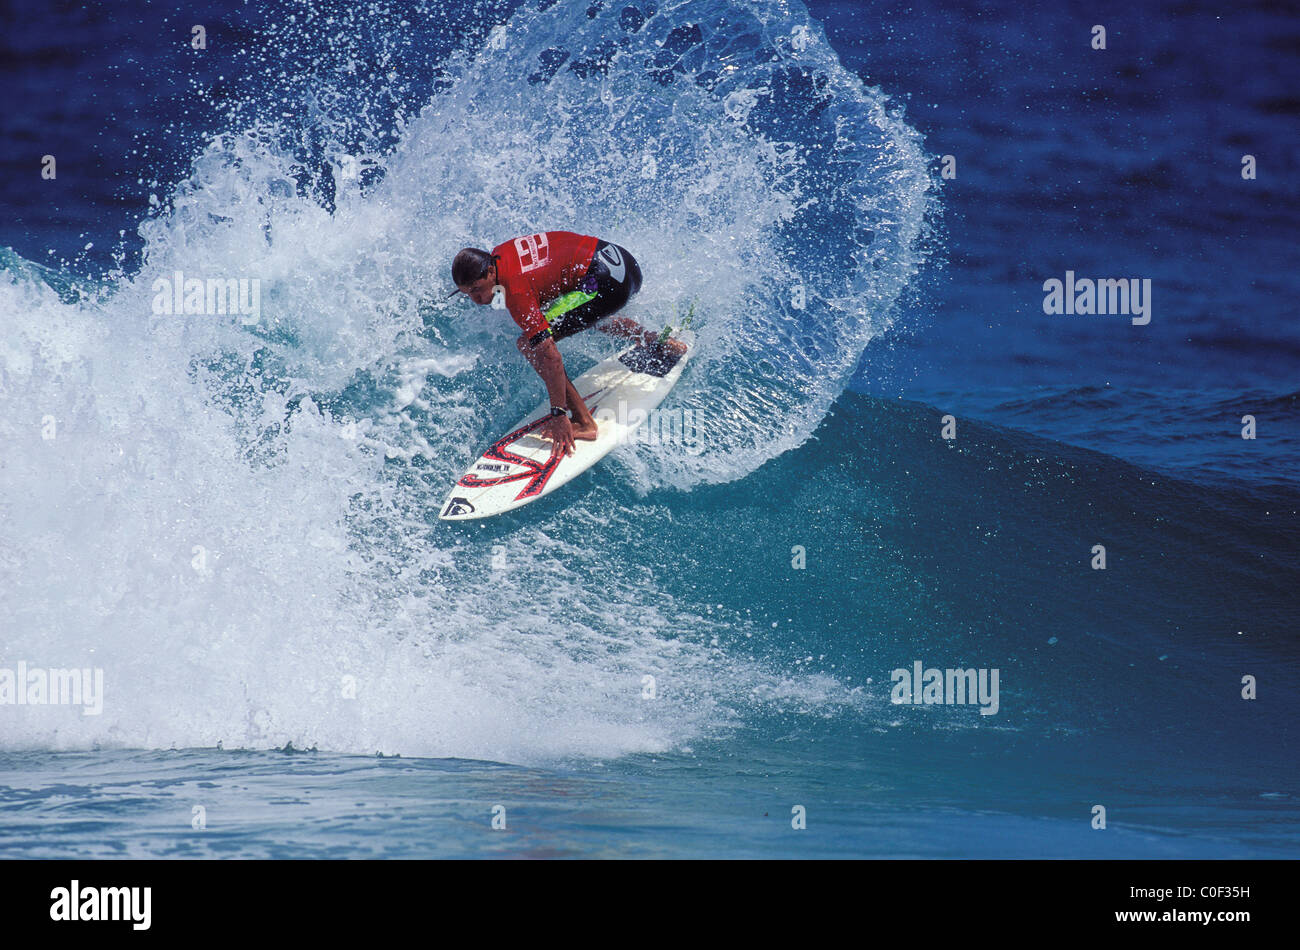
[[539, 267]]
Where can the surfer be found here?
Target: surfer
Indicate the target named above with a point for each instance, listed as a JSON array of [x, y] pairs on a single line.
[[584, 280]]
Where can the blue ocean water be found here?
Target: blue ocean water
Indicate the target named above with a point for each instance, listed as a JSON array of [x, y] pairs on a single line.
[[671, 657]]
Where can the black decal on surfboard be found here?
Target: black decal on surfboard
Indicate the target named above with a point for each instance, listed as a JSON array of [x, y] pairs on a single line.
[[653, 360], [457, 507]]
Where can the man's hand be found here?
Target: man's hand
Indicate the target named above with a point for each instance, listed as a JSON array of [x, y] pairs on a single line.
[[561, 431]]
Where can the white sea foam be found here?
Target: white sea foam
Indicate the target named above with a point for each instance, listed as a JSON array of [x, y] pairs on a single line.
[[236, 522]]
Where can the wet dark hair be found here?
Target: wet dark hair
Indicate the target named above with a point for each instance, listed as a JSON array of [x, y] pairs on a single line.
[[471, 264]]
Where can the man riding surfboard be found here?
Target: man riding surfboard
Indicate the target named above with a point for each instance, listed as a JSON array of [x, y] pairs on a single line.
[[583, 280]]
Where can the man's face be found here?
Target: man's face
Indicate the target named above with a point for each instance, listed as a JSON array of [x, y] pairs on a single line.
[[481, 290]]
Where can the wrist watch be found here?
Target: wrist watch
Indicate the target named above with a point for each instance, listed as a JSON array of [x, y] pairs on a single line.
[[559, 411]]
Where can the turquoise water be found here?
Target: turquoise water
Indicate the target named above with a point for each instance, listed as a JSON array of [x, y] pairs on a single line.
[[776, 692], [730, 802]]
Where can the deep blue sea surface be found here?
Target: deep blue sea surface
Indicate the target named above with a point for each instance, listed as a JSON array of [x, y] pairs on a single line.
[[234, 522]]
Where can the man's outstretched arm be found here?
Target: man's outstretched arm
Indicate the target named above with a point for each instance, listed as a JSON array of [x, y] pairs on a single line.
[[545, 358]]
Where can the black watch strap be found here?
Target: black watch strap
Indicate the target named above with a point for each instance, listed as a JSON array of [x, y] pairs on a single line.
[[559, 411]]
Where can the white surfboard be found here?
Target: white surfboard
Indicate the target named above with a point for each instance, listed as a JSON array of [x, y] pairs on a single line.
[[520, 467]]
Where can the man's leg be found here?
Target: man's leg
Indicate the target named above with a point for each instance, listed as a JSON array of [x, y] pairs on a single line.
[[628, 328], [612, 292], [619, 294]]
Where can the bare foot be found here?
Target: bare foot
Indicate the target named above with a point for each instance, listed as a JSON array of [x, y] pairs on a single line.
[[586, 433]]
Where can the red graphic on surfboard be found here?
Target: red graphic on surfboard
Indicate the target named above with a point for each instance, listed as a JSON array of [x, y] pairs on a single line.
[[535, 473]]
